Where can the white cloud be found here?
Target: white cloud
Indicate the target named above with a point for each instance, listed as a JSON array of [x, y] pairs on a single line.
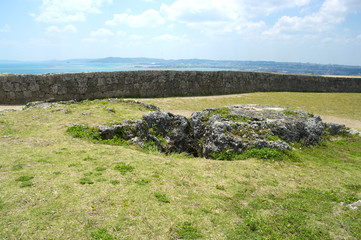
[[102, 33], [190, 11], [6, 28], [261, 7], [331, 13], [149, 18], [99, 36], [135, 37], [121, 33], [68, 28], [358, 36], [166, 37], [217, 17], [90, 40], [60, 11]]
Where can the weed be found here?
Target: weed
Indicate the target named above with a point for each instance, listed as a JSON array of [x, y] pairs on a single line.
[[1, 204], [261, 153], [100, 169], [101, 234], [114, 182], [142, 181], [272, 137], [162, 197], [85, 180], [80, 131], [26, 184], [1, 166], [290, 112], [353, 187], [88, 159], [56, 173], [123, 167], [265, 153], [101, 180], [220, 187], [88, 174], [186, 230], [74, 164], [116, 140], [224, 112], [227, 155], [17, 167], [24, 178], [150, 146]]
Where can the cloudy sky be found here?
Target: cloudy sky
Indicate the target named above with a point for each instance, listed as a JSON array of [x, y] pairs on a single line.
[[316, 31]]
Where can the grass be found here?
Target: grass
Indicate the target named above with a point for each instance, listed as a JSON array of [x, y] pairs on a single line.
[[340, 105], [139, 194]]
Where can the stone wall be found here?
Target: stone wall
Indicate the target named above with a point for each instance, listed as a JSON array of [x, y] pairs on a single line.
[[20, 89]]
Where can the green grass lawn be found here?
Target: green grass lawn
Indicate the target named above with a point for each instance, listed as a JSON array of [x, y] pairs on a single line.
[[53, 186]]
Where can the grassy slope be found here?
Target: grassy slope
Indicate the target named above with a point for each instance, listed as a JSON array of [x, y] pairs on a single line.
[[344, 105], [216, 199]]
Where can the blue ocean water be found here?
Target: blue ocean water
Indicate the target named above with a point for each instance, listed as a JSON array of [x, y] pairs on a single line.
[[41, 68]]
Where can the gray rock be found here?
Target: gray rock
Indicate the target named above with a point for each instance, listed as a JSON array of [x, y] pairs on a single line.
[[353, 206], [353, 131], [170, 133], [235, 128]]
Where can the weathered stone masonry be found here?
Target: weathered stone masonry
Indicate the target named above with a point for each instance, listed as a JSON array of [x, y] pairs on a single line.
[[20, 89]]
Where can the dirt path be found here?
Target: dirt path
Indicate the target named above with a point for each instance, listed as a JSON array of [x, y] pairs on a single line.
[[15, 107], [351, 123]]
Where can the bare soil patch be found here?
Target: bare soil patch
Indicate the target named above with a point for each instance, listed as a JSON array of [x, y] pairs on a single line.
[[9, 107], [351, 123]]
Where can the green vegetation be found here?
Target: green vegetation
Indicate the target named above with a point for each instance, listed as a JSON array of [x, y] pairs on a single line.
[[24, 178], [263, 153], [147, 195], [186, 230], [162, 197], [85, 180], [290, 112], [101, 234], [123, 167], [224, 112]]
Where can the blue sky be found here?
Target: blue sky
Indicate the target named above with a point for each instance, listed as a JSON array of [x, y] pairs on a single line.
[[316, 31]]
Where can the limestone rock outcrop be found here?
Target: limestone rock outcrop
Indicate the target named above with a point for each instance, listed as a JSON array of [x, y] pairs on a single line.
[[235, 129]]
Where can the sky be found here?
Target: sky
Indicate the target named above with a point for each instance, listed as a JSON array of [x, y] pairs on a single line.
[[314, 31]]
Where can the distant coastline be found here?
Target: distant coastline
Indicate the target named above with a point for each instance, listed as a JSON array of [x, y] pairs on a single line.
[[143, 64]]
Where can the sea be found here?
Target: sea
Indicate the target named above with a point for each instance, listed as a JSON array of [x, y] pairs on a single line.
[[42, 68]]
